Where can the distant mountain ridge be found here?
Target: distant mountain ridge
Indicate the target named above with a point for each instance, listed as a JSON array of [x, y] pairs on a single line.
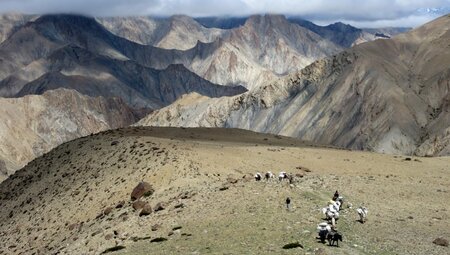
[[387, 96], [184, 33], [231, 58]]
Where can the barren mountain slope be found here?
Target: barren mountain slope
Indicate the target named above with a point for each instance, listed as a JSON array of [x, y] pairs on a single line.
[[346, 35], [263, 48], [386, 31], [143, 30], [387, 96], [222, 22], [33, 125], [69, 200], [177, 32], [339, 33], [9, 22]]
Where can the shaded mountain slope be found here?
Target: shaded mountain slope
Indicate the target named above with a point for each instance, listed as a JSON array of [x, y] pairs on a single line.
[[346, 35], [139, 86], [388, 96], [102, 64], [33, 125], [222, 22], [339, 33]]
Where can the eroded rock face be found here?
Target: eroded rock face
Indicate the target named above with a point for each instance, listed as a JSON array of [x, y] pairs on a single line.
[[378, 96], [32, 125]]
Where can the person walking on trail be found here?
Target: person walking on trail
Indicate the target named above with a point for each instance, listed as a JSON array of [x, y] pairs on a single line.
[[336, 195], [288, 203]]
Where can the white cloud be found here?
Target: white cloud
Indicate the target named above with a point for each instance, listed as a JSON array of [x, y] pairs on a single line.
[[365, 12], [408, 21]]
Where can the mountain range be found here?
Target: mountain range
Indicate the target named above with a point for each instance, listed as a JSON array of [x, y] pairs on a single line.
[[149, 63], [387, 96]]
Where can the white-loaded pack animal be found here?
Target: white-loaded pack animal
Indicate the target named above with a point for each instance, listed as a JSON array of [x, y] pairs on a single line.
[[258, 177], [362, 211], [323, 229], [269, 176], [331, 212], [283, 176], [340, 199]]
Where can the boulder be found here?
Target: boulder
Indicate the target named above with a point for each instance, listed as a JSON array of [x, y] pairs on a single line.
[[155, 227], [107, 211], [142, 189], [160, 206], [146, 210], [137, 205], [441, 241], [120, 204]]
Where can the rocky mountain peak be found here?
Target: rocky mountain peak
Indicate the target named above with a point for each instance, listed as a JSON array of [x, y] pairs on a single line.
[[339, 26]]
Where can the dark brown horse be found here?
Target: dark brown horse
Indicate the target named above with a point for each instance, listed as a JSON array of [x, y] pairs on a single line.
[[334, 237]]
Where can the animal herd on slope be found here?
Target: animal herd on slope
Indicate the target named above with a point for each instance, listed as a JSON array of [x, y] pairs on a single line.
[[326, 230]]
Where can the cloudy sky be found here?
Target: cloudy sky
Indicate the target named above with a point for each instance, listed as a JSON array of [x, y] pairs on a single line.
[[362, 13]]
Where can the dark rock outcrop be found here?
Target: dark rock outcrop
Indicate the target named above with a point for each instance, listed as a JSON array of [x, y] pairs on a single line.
[[142, 189]]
